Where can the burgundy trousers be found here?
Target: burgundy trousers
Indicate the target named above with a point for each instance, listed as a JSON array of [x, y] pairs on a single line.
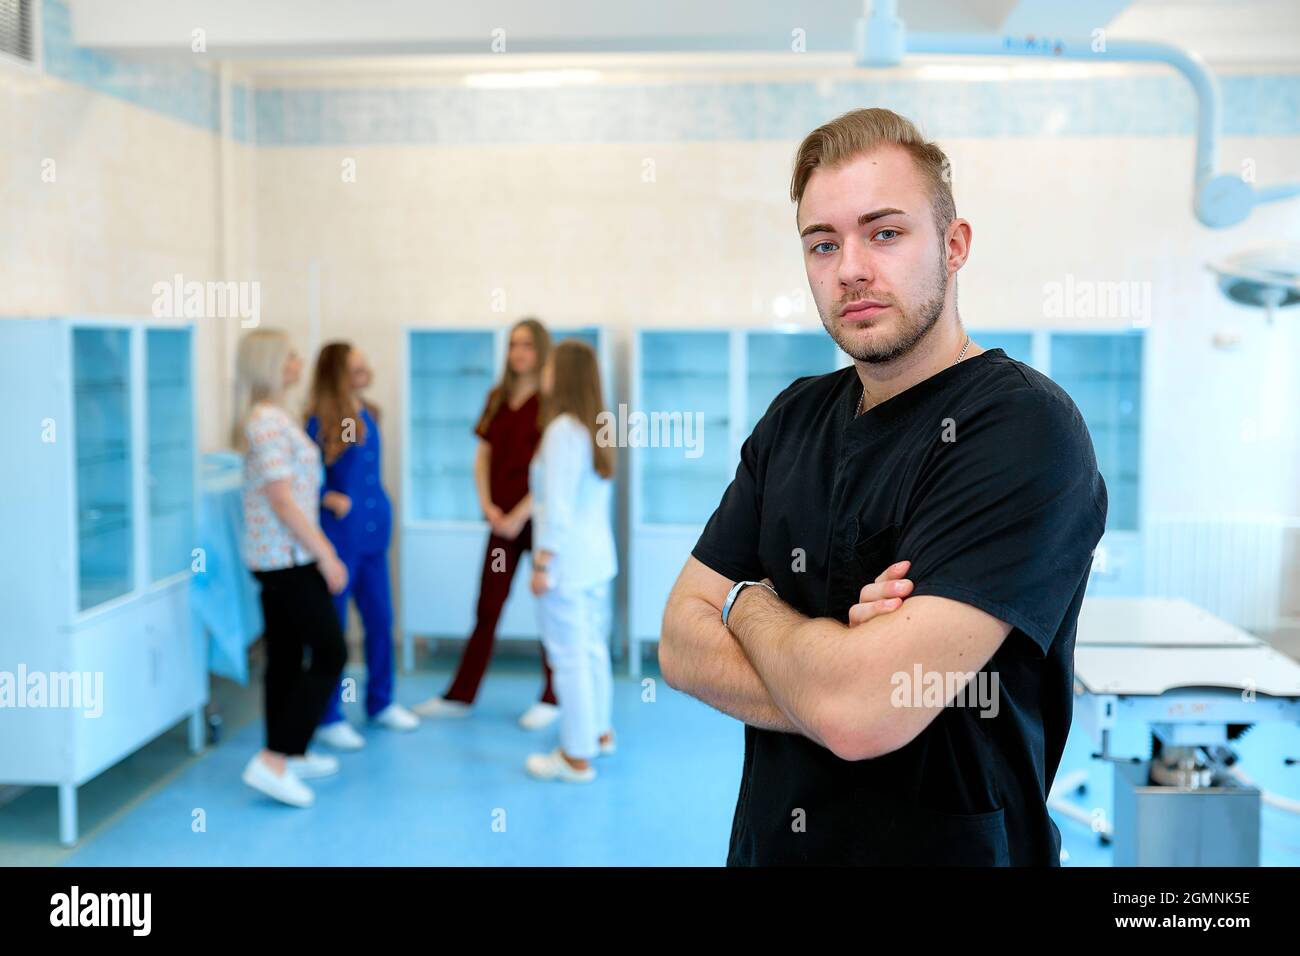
[[493, 589]]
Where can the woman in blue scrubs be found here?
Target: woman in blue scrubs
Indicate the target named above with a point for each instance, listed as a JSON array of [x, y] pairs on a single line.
[[356, 516]]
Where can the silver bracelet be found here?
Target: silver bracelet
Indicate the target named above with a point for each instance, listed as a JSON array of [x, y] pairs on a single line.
[[735, 592]]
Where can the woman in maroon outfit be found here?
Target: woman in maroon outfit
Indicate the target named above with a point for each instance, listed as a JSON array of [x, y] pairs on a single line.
[[508, 436]]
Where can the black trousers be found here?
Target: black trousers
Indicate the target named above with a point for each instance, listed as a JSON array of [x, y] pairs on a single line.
[[298, 614]]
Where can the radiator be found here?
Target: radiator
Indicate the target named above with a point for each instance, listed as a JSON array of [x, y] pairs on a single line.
[[1234, 567]]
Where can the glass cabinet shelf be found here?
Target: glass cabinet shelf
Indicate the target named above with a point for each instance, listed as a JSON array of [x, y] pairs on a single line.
[[94, 452], [686, 374], [170, 467], [101, 367], [450, 374], [775, 359], [692, 373], [435, 471], [1102, 373], [1017, 345], [443, 374], [437, 421], [588, 334]]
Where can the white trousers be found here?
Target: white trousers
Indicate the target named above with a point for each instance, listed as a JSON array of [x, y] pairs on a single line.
[[575, 632]]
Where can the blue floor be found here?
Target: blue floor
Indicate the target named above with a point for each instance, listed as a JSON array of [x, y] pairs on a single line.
[[439, 795], [433, 796]]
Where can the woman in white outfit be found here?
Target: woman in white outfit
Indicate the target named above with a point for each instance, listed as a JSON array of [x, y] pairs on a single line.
[[570, 478]]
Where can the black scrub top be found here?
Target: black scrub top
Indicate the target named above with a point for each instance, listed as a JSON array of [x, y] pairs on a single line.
[[984, 477]]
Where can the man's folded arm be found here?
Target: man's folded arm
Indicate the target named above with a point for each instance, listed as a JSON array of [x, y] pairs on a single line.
[[999, 532], [699, 655], [836, 683]]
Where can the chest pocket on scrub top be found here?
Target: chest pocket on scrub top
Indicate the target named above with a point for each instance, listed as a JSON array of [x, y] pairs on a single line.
[[857, 558]]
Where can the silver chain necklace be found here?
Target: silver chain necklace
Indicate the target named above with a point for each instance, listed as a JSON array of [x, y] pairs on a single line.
[[961, 355]]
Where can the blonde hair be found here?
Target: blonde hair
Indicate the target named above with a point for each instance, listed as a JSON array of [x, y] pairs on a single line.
[[863, 131], [259, 376]]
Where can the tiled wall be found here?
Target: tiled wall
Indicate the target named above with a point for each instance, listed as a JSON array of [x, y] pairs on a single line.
[[110, 181], [638, 204], [773, 109], [183, 91], [443, 235]]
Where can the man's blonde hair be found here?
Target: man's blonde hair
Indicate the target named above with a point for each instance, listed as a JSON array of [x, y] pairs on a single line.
[[863, 131]]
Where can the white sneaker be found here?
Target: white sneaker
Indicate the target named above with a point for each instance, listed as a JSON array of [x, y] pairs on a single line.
[[340, 735], [553, 766], [396, 717], [442, 707], [538, 716], [285, 787], [608, 747], [311, 765]]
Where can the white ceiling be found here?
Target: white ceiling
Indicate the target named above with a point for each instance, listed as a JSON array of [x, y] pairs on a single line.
[[1240, 32], [1228, 32]]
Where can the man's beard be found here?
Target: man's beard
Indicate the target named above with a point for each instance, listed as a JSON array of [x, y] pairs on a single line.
[[913, 325]]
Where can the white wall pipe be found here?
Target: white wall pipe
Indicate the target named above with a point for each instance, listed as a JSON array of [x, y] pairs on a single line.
[[1219, 200]]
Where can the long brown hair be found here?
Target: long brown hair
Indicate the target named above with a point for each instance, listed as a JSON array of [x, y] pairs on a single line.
[[576, 389], [333, 401], [501, 391]]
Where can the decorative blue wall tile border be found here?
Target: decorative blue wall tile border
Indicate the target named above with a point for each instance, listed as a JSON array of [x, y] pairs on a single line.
[[1258, 105], [1254, 105], [181, 91], [240, 115]]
